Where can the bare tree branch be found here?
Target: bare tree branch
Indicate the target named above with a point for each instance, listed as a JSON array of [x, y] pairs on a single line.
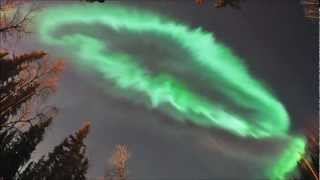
[[13, 23]]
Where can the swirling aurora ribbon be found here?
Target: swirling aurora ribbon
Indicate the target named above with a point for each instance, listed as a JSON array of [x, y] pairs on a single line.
[[227, 72]]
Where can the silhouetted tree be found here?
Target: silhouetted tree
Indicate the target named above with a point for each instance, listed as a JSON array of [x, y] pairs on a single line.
[[231, 3], [17, 150], [223, 3], [308, 166], [67, 161], [24, 80], [13, 21]]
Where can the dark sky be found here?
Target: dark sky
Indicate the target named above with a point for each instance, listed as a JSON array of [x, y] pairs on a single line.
[[277, 43]]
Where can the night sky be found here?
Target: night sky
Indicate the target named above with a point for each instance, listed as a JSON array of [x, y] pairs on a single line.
[[272, 37]]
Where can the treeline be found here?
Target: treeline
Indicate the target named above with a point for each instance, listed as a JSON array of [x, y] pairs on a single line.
[[25, 83]]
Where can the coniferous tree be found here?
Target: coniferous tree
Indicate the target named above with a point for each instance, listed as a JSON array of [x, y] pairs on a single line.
[[18, 150], [20, 81], [67, 161], [24, 80]]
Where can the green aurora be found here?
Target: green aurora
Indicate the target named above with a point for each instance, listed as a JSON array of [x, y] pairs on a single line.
[[228, 74]]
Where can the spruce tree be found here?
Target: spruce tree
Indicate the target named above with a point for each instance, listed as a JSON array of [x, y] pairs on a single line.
[[17, 84], [18, 149], [24, 80], [67, 161]]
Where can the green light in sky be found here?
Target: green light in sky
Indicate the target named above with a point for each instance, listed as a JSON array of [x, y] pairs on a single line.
[[288, 159], [229, 74]]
